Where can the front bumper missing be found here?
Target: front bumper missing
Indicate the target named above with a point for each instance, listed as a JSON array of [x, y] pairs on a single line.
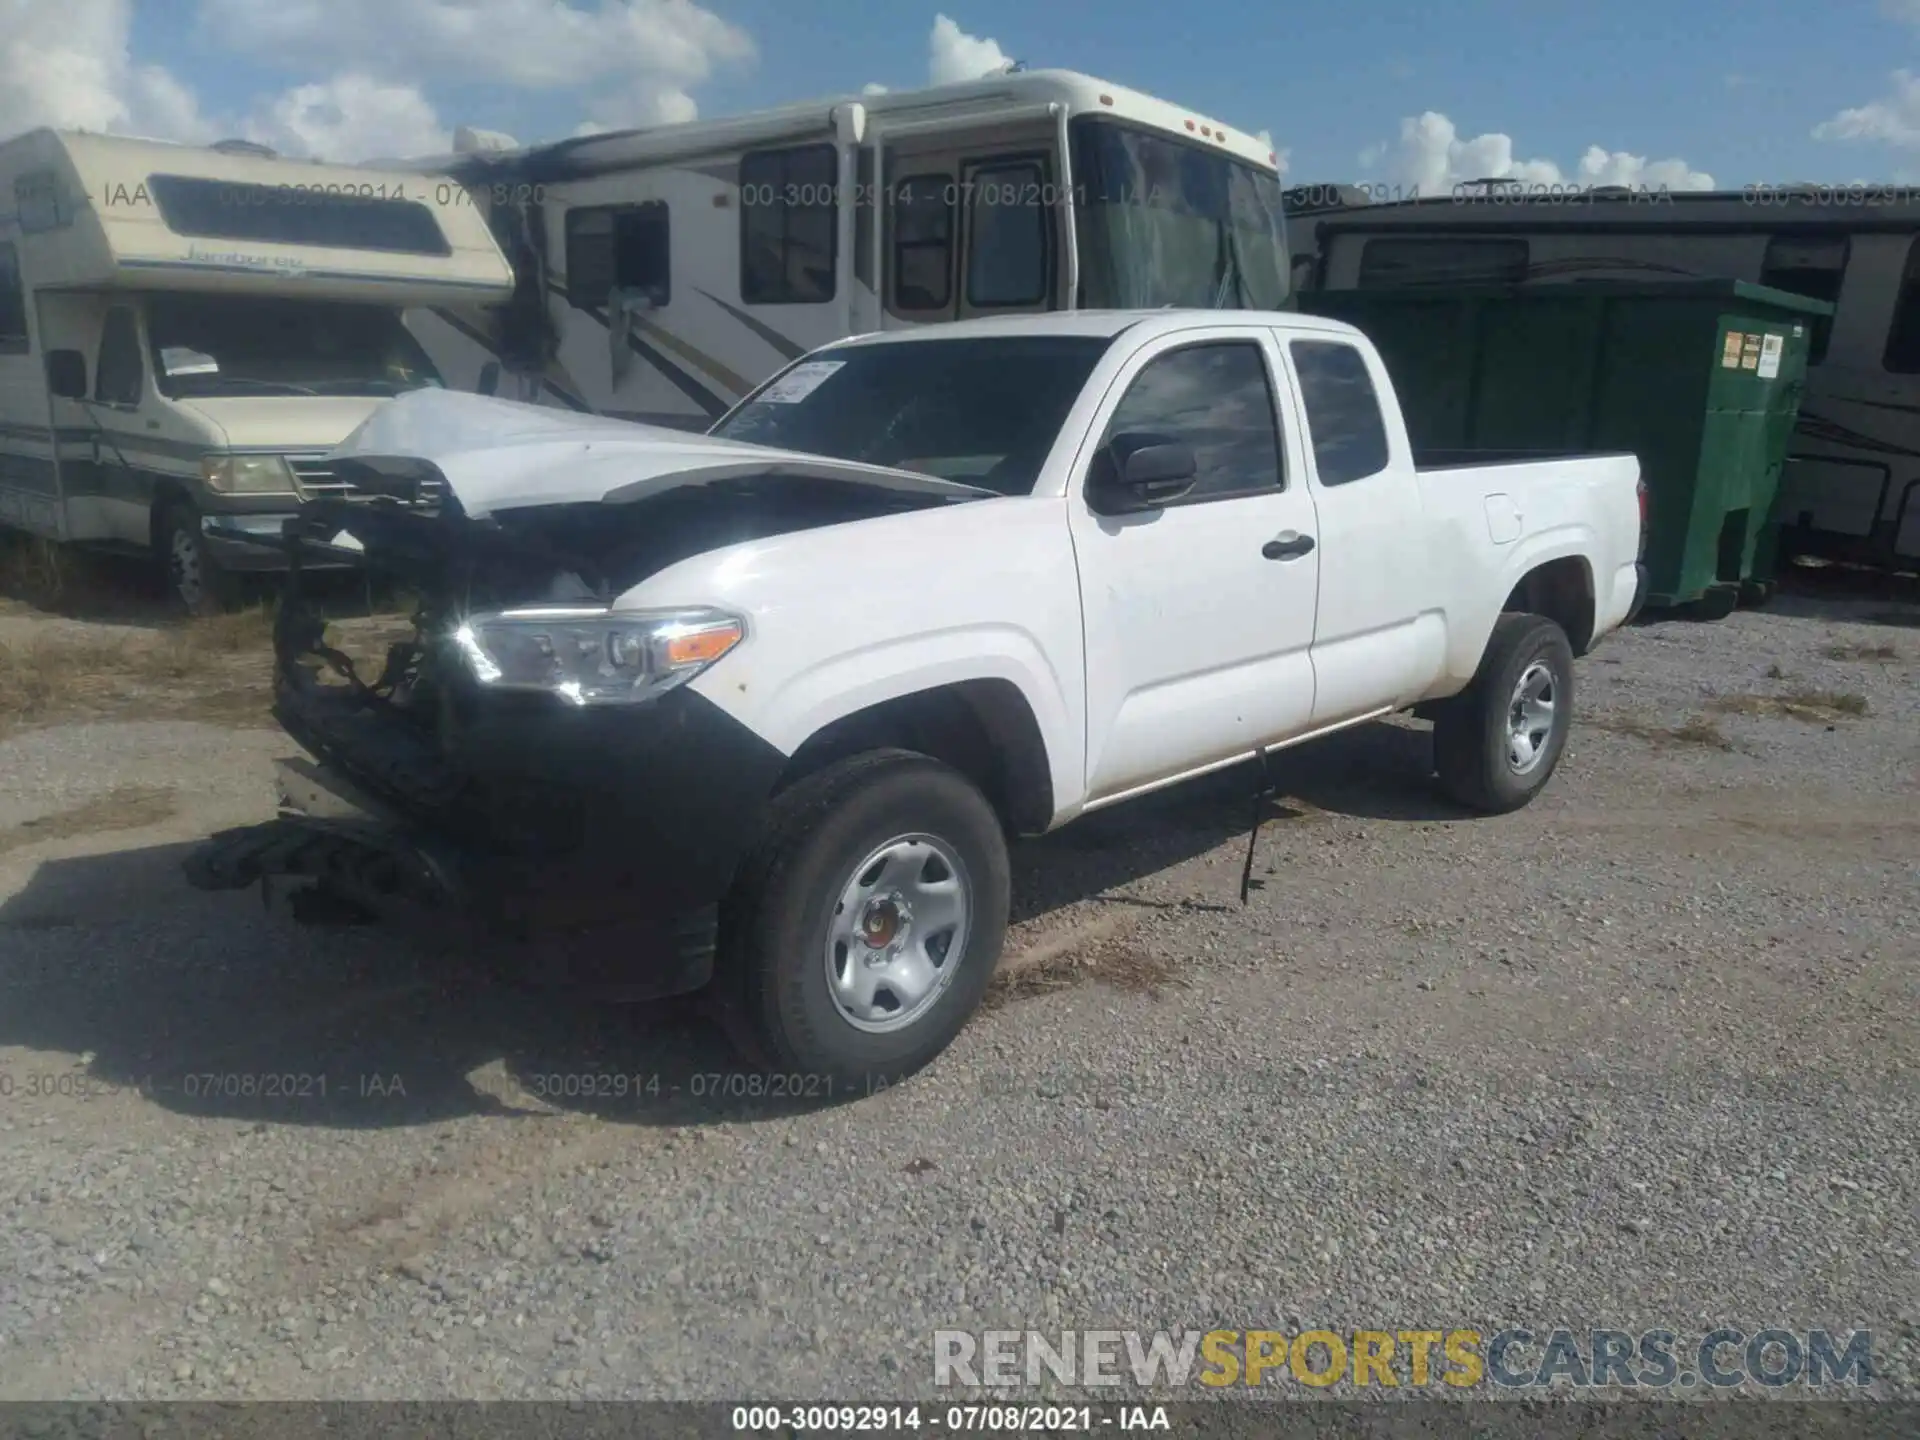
[[361, 856]]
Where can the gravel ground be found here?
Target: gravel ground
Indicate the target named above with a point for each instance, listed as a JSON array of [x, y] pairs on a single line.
[[1642, 1055]]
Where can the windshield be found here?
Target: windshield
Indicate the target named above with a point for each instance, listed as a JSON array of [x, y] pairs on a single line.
[[206, 345], [983, 411], [1164, 223]]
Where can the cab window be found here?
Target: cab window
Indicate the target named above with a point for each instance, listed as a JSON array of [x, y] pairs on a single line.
[[1216, 400]]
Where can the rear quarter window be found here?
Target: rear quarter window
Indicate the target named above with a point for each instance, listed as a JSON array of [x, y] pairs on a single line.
[[1344, 423]]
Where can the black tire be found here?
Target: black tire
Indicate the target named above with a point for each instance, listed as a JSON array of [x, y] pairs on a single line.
[[196, 585], [1471, 736], [773, 975]]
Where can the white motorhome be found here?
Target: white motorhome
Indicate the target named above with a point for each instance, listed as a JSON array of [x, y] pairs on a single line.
[[664, 273], [185, 332], [1851, 489]]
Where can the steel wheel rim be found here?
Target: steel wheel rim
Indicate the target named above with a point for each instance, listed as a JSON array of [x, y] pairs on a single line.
[[1531, 715], [899, 929], [186, 567]]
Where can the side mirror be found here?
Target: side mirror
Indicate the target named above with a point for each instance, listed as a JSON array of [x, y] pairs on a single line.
[[1138, 472], [67, 374], [489, 383]]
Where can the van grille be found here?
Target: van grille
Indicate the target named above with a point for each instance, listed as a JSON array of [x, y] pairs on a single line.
[[319, 482]]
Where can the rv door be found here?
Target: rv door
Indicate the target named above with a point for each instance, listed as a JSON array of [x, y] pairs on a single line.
[[968, 222], [69, 346]]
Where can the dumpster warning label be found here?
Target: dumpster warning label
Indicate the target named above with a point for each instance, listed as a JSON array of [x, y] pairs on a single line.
[[1730, 357], [1749, 352], [1770, 349]]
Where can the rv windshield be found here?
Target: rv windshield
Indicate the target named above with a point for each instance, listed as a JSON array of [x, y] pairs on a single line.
[[1162, 222], [980, 410], [205, 345]]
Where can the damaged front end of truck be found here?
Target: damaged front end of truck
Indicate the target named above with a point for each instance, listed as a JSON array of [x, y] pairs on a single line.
[[529, 777]]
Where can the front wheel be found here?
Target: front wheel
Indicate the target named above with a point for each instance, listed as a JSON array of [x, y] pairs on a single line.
[[861, 935], [195, 581], [1497, 742]]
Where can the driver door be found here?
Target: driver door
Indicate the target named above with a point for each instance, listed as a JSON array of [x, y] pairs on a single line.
[[1199, 612]]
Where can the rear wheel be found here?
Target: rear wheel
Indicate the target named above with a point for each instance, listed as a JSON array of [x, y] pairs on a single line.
[[863, 932], [195, 582], [1498, 741]]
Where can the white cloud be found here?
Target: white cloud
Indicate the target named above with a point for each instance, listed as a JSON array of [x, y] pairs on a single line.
[[633, 62], [1894, 119], [953, 55], [1431, 155], [1281, 154], [71, 66], [350, 117], [871, 88], [468, 140]]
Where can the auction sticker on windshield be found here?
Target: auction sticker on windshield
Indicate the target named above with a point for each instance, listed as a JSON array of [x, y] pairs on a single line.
[[800, 382]]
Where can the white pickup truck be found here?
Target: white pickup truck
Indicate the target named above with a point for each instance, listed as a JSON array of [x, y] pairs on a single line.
[[757, 711]]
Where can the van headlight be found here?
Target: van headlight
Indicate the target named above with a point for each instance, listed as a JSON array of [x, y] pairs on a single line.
[[248, 475], [595, 657]]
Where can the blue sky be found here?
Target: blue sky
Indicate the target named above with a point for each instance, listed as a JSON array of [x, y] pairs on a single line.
[[1741, 93]]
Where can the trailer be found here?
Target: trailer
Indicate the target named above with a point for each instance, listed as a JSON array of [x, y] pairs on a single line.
[[1850, 491], [186, 331], [664, 273]]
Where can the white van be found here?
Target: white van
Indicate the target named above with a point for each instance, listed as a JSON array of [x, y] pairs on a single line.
[[185, 332]]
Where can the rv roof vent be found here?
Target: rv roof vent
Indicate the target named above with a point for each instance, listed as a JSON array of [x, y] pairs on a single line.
[[244, 147]]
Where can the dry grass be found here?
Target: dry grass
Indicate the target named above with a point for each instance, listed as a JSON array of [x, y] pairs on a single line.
[[36, 574], [1817, 706], [216, 669], [130, 807], [1698, 731], [1861, 652]]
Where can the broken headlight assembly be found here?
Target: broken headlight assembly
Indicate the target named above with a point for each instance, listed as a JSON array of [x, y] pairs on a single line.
[[595, 657]]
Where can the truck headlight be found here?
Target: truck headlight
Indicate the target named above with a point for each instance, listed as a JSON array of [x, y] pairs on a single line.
[[248, 475], [595, 657]]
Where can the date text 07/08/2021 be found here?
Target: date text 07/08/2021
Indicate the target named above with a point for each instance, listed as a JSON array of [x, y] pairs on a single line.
[[908, 1419]]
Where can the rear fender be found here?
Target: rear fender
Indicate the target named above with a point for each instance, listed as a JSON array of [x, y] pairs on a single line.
[[1469, 638]]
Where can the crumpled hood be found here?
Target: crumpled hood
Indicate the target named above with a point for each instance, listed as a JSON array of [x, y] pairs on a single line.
[[503, 455]]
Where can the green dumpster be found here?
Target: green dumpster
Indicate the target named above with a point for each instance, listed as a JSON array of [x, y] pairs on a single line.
[[1699, 379]]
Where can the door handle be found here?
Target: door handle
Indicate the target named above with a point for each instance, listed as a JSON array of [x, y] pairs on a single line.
[[1288, 545]]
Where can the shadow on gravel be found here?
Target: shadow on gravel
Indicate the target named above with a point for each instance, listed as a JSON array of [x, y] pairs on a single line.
[[125, 979]]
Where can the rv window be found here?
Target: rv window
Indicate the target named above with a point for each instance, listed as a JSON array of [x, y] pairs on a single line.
[[1902, 355], [1008, 230], [923, 242], [117, 377], [287, 215], [789, 232], [624, 247], [1440, 261], [38, 202], [1343, 411], [1813, 267], [13, 303]]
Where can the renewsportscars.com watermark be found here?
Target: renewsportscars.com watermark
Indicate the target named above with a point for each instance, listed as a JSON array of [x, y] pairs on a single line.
[[1511, 1360]]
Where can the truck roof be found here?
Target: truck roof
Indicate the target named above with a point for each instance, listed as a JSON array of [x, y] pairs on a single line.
[[1101, 324]]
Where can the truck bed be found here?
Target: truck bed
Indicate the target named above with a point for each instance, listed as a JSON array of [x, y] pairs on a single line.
[[1467, 459]]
